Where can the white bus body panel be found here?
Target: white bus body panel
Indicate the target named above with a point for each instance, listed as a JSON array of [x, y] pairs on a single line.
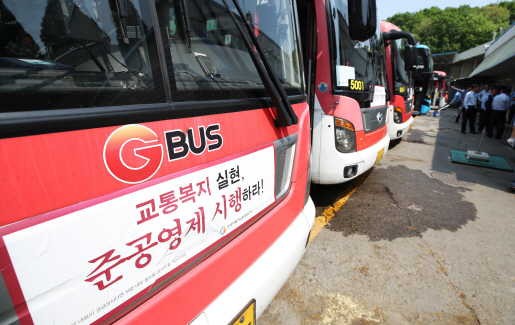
[[266, 276], [329, 163], [393, 127]]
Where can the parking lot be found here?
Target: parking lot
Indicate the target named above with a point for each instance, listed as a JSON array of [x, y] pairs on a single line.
[[418, 240]]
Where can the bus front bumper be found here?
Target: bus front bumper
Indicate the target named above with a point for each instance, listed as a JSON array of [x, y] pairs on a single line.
[[396, 131], [334, 162]]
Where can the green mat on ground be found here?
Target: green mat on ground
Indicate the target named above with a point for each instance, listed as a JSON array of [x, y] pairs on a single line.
[[494, 163]]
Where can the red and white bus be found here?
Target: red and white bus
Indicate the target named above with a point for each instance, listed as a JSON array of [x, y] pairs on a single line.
[[400, 79], [346, 77], [441, 85], [155, 160]]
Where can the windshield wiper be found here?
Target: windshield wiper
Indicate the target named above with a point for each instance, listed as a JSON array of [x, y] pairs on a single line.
[[388, 86], [371, 89], [285, 114], [186, 26], [121, 12]]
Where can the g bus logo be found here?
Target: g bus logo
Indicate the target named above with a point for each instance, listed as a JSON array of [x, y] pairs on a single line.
[[133, 154]]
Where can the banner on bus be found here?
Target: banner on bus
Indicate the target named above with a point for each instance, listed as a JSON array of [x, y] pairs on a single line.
[[80, 265]]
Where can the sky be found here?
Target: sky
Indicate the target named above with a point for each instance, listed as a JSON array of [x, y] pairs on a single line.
[[388, 8]]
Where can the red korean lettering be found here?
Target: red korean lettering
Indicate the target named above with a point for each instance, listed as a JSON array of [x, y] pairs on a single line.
[[168, 202], [198, 223], [105, 258], [201, 188], [146, 214], [166, 234], [144, 258], [219, 211], [235, 200], [187, 193]]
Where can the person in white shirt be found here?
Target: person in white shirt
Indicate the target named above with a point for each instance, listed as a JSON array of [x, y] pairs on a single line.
[[463, 93], [469, 110], [483, 97], [500, 106], [483, 92]]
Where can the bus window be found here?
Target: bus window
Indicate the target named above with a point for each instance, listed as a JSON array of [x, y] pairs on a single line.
[[209, 58], [353, 59], [58, 54], [402, 81]]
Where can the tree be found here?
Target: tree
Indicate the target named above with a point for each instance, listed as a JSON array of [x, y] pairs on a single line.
[[455, 29]]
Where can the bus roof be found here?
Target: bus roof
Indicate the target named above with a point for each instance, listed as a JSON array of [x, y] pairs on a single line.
[[387, 26]]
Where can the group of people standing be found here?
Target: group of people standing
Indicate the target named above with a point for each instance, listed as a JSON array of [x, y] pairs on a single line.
[[492, 104]]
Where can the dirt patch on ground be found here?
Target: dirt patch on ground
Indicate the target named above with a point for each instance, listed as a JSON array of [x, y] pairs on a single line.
[[398, 202]]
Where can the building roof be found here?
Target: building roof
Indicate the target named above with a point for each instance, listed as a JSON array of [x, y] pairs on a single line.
[[444, 58], [499, 57], [445, 53], [478, 51]]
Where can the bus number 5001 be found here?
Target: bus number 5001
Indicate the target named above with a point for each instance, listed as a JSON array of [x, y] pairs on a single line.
[[357, 85]]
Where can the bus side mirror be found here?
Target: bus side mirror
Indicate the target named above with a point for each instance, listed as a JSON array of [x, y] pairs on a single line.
[[410, 57], [362, 19]]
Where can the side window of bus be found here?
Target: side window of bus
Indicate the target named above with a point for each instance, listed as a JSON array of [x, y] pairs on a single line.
[[76, 54], [209, 60], [379, 58], [401, 78]]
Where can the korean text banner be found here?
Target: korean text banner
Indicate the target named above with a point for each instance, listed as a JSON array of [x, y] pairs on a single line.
[[80, 266]]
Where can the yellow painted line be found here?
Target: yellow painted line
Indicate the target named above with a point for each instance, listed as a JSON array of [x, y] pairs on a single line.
[[329, 213]]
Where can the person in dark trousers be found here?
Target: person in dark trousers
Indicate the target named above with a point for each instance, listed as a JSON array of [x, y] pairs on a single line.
[[469, 110], [500, 106], [463, 92], [487, 115]]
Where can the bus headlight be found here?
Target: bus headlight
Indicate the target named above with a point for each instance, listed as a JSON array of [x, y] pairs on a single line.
[[345, 138], [397, 115]]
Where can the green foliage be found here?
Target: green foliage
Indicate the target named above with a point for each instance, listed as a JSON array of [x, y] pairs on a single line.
[[456, 29]]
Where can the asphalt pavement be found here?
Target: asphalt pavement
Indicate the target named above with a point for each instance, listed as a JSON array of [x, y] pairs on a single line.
[[418, 240]]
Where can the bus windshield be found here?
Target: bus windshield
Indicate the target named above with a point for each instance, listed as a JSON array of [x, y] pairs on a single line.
[[214, 57], [84, 53], [424, 59], [89, 53], [401, 78], [355, 60]]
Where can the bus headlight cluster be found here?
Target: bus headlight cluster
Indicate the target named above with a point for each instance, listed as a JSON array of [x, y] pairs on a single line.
[[397, 115], [345, 136]]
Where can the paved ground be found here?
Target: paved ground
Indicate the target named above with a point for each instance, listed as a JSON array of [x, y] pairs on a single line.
[[421, 241]]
